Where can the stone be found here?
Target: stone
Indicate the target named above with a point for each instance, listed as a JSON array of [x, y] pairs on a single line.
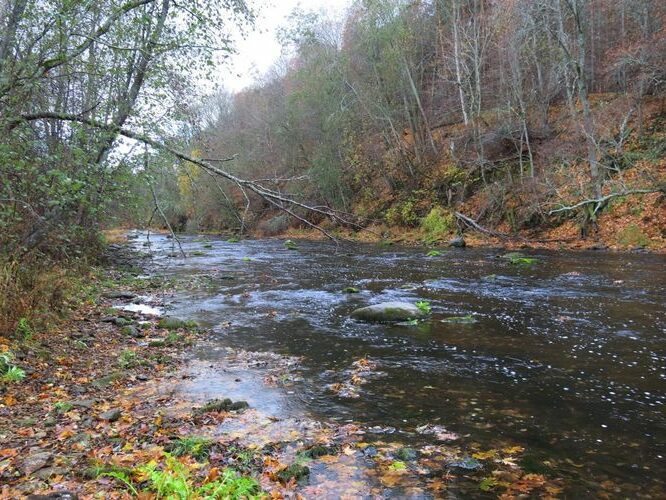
[[32, 463], [458, 242], [111, 415], [388, 312], [83, 403], [120, 321], [131, 331], [120, 295]]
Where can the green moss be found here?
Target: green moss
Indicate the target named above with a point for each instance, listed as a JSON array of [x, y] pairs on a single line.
[[219, 405], [632, 235], [318, 451], [460, 319], [351, 289], [519, 259], [295, 471]]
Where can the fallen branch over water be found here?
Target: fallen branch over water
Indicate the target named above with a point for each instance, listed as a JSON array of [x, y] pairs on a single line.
[[279, 200]]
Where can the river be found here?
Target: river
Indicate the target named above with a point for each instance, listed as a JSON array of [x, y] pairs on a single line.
[[565, 357]]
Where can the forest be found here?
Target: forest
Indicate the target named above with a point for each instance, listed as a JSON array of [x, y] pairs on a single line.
[[418, 198]]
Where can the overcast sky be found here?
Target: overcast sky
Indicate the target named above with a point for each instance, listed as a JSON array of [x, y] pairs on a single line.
[[260, 49]]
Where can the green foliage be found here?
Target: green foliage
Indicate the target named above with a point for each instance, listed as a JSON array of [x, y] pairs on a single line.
[[63, 406], [402, 214], [433, 253], [632, 235], [397, 465], [8, 372], [196, 447], [488, 484], [437, 224], [124, 478], [174, 480], [127, 359], [23, 330], [424, 306]]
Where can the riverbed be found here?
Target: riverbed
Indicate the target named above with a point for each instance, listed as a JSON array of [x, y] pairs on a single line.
[[564, 357]]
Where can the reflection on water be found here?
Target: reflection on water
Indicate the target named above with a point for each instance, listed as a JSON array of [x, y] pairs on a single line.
[[566, 358]]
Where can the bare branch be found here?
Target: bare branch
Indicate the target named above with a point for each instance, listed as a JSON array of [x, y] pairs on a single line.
[[599, 202]]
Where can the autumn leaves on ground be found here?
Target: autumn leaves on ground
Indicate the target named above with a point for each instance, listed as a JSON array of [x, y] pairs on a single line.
[[90, 408]]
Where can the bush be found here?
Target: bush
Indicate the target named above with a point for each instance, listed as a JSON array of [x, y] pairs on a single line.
[[402, 214], [437, 224]]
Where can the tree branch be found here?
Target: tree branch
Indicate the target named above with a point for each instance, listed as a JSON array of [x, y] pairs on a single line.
[[599, 202], [273, 197]]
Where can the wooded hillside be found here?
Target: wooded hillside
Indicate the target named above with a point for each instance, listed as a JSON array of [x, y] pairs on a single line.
[[507, 111]]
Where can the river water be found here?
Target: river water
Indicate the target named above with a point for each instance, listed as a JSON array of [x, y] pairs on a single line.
[[566, 357]]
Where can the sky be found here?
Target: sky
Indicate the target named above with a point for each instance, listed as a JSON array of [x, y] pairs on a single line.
[[260, 48]]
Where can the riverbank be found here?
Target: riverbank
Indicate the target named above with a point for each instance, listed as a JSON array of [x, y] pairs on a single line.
[[630, 227], [117, 401]]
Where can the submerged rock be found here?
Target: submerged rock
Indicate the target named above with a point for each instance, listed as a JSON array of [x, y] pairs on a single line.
[[388, 312]]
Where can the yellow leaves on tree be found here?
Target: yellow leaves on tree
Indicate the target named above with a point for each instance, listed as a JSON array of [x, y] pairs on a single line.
[[188, 173]]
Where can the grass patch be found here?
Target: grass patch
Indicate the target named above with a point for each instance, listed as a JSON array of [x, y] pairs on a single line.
[[633, 236], [196, 447]]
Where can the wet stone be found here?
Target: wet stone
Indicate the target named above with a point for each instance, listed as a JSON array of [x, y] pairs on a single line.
[[388, 312]]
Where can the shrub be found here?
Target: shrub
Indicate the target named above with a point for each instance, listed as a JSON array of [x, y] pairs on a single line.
[[402, 214], [437, 224]]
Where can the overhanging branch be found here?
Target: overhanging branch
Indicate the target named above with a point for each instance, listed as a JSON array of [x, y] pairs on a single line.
[[273, 197]]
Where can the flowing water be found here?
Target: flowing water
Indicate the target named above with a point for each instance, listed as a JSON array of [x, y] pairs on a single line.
[[566, 358]]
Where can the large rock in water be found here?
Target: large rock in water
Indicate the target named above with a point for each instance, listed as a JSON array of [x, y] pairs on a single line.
[[388, 312]]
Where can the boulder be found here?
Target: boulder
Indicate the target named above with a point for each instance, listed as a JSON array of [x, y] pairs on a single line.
[[458, 242], [388, 312]]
